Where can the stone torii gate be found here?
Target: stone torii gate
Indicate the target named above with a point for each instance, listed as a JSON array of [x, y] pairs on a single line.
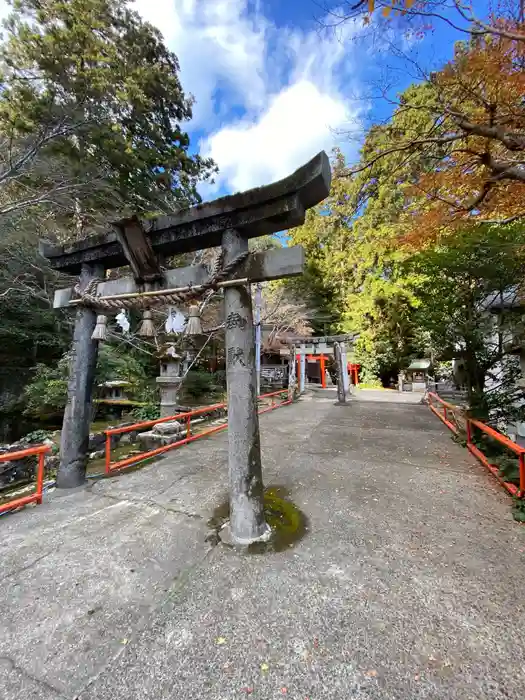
[[304, 346], [228, 222]]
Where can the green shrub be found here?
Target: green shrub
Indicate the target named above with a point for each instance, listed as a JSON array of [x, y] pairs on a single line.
[[46, 394], [37, 436], [509, 469], [518, 512], [149, 411], [198, 385]]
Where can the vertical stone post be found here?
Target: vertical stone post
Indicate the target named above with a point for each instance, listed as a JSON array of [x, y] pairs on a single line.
[[351, 380], [302, 369], [244, 450], [344, 369], [74, 440], [291, 373], [169, 382], [341, 389], [258, 304]]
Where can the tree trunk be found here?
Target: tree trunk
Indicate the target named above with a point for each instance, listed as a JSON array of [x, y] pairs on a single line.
[[475, 384]]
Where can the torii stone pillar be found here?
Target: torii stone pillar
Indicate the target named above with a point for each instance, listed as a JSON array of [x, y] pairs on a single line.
[[302, 368], [344, 367], [74, 438], [291, 374], [247, 521], [342, 372]]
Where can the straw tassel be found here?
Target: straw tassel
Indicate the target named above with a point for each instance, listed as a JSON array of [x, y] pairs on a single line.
[[147, 329], [100, 330], [194, 327]]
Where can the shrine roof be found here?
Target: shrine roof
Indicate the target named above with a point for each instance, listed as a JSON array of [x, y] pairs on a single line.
[[419, 364]]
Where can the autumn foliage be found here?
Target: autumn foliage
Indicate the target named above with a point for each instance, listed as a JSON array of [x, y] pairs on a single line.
[[458, 140], [481, 175]]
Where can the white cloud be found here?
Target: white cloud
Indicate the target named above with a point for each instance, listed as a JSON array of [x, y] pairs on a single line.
[[218, 45], [267, 97], [296, 124]]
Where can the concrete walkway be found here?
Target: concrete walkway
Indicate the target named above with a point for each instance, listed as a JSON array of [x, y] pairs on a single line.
[[408, 584]]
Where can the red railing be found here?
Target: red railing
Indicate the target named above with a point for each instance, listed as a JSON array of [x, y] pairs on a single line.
[[493, 468], [186, 417], [450, 413], [36, 497]]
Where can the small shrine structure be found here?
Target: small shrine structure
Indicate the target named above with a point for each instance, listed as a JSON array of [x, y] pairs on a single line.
[[415, 377]]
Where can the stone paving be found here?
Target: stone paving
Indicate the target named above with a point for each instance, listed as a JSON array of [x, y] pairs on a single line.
[[409, 582]]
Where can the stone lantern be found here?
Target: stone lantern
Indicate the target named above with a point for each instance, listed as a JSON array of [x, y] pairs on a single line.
[[169, 381]]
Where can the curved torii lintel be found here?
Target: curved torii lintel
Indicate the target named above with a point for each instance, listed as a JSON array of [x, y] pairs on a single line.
[[256, 212]]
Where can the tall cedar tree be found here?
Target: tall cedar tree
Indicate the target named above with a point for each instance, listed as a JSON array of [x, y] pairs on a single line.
[[90, 82]]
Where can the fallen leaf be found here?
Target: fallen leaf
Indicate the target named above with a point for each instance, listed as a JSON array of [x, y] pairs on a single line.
[[124, 641], [372, 673], [220, 640], [264, 667]]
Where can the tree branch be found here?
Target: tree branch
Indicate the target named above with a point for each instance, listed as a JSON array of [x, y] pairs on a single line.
[[401, 148]]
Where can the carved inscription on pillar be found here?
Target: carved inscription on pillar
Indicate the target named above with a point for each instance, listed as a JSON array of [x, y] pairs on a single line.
[[235, 356], [235, 320]]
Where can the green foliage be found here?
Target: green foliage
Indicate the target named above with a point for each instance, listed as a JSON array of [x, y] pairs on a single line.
[[198, 384], [460, 438], [403, 303], [37, 436], [31, 332], [120, 362], [455, 282], [370, 382], [509, 469], [354, 260], [499, 455], [91, 129], [107, 88], [262, 243], [45, 395], [518, 511], [149, 411]]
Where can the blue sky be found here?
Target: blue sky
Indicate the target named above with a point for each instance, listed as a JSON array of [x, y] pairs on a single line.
[[273, 87]]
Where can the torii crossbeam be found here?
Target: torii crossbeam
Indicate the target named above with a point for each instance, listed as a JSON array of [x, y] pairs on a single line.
[[228, 222]]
